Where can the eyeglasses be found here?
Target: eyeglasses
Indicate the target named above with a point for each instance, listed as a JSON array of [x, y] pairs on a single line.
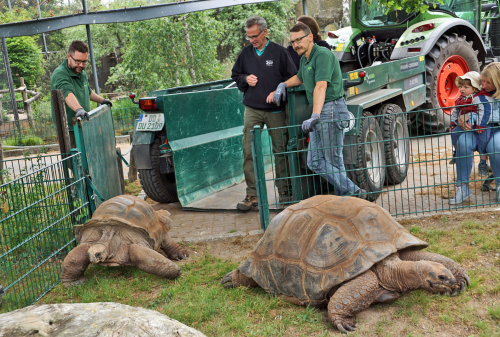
[[297, 41], [254, 37], [78, 61]]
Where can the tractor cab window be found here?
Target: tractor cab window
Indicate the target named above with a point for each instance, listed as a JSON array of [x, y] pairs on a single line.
[[373, 15], [462, 9]]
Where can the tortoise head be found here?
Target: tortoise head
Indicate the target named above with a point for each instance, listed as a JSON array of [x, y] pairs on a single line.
[[98, 253], [436, 277]]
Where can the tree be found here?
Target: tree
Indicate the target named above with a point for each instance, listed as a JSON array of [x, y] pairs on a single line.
[[25, 58]]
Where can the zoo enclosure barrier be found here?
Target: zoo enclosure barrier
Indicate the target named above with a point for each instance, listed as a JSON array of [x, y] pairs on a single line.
[[402, 169], [41, 199]]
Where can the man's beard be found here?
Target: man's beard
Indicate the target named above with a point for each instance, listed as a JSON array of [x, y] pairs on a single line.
[[299, 50], [75, 69]]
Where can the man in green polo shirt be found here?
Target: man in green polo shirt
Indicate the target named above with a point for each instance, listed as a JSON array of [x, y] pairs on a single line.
[[71, 78], [320, 73]]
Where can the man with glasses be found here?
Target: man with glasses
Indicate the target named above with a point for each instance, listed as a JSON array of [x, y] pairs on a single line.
[[320, 73], [259, 68], [71, 78]]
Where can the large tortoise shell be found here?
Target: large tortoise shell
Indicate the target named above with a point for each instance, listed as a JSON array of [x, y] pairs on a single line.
[[133, 213], [321, 242]]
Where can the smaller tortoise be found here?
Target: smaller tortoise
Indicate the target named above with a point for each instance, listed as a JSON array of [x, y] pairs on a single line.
[[123, 231], [344, 253]]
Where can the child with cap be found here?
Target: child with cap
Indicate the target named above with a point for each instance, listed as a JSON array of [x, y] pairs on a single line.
[[472, 93]]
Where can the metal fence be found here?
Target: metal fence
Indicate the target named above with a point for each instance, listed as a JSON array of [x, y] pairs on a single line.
[[41, 199], [401, 168], [22, 132]]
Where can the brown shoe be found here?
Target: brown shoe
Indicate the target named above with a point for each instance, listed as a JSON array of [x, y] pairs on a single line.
[[248, 204]]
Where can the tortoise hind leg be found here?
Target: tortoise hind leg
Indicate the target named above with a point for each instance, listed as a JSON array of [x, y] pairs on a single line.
[[458, 272], [352, 298], [173, 250], [236, 278], [74, 266], [153, 262]]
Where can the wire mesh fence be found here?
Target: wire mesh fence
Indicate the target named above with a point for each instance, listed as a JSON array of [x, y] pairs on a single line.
[[22, 133], [40, 203], [384, 159]]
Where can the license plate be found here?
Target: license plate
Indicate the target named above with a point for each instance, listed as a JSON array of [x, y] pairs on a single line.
[[151, 122]]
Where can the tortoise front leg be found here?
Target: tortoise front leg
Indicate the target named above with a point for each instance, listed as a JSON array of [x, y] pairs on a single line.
[[153, 262], [173, 250], [352, 298], [458, 272], [74, 266]]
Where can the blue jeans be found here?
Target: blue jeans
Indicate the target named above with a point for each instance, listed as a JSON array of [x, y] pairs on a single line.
[[481, 138], [325, 147], [466, 145]]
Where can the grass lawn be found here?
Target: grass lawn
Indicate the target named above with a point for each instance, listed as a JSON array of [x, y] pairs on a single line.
[[197, 299]]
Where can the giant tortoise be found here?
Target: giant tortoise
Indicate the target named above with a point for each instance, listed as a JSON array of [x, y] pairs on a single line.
[[125, 230], [346, 253]]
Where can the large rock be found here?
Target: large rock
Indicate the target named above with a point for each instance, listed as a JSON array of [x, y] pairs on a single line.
[[91, 319]]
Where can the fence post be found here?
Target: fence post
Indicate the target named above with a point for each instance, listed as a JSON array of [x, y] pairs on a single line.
[[27, 106], [61, 121], [1, 115], [260, 176], [132, 170], [120, 170]]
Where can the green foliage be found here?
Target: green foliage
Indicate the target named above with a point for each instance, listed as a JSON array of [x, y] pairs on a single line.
[[409, 5], [24, 141], [25, 59]]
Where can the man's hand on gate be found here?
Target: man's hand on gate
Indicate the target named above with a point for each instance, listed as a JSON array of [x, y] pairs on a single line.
[[80, 112], [252, 80], [107, 102], [308, 124], [280, 94]]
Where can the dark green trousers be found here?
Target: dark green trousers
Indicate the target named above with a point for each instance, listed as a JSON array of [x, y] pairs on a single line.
[[279, 140]]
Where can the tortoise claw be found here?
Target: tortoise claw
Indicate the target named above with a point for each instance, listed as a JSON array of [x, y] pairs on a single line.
[[454, 292], [341, 328], [462, 287], [350, 328], [468, 280]]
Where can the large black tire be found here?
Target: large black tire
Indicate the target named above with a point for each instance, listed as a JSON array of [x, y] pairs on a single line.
[[436, 63], [159, 187], [394, 127], [368, 171]]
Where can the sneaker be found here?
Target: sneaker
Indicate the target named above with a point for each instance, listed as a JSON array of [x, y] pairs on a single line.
[[487, 184], [482, 168], [248, 204], [285, 197], [452, 161], [361, 193], [462, 194]]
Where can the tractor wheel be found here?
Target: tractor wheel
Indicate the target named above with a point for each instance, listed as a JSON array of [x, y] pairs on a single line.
[[450, 57], [159, 187], [368, 172], [397, 143]]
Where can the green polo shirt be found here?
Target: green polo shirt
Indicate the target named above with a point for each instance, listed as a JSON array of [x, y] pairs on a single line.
[[321, 65], [69, 82]]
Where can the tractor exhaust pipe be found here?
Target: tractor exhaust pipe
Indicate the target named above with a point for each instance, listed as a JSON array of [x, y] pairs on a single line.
[[304, 7]]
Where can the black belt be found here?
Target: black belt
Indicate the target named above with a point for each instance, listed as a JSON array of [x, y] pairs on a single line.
[[494, 124]]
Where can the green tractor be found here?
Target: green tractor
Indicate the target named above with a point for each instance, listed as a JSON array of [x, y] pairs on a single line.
[[455, 37]]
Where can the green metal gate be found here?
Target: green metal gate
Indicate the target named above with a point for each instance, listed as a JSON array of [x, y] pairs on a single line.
[[40, 205], [95, 138]]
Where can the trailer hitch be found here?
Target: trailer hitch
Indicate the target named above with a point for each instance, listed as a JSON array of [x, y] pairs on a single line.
[[347, 84]]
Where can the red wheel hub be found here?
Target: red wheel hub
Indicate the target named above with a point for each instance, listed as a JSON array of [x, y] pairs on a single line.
[[447, 90]]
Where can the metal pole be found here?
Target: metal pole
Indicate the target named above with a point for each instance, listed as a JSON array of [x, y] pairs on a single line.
[[43, 34], [9, 79], [91, 49], [10, 9], [304, 6]]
